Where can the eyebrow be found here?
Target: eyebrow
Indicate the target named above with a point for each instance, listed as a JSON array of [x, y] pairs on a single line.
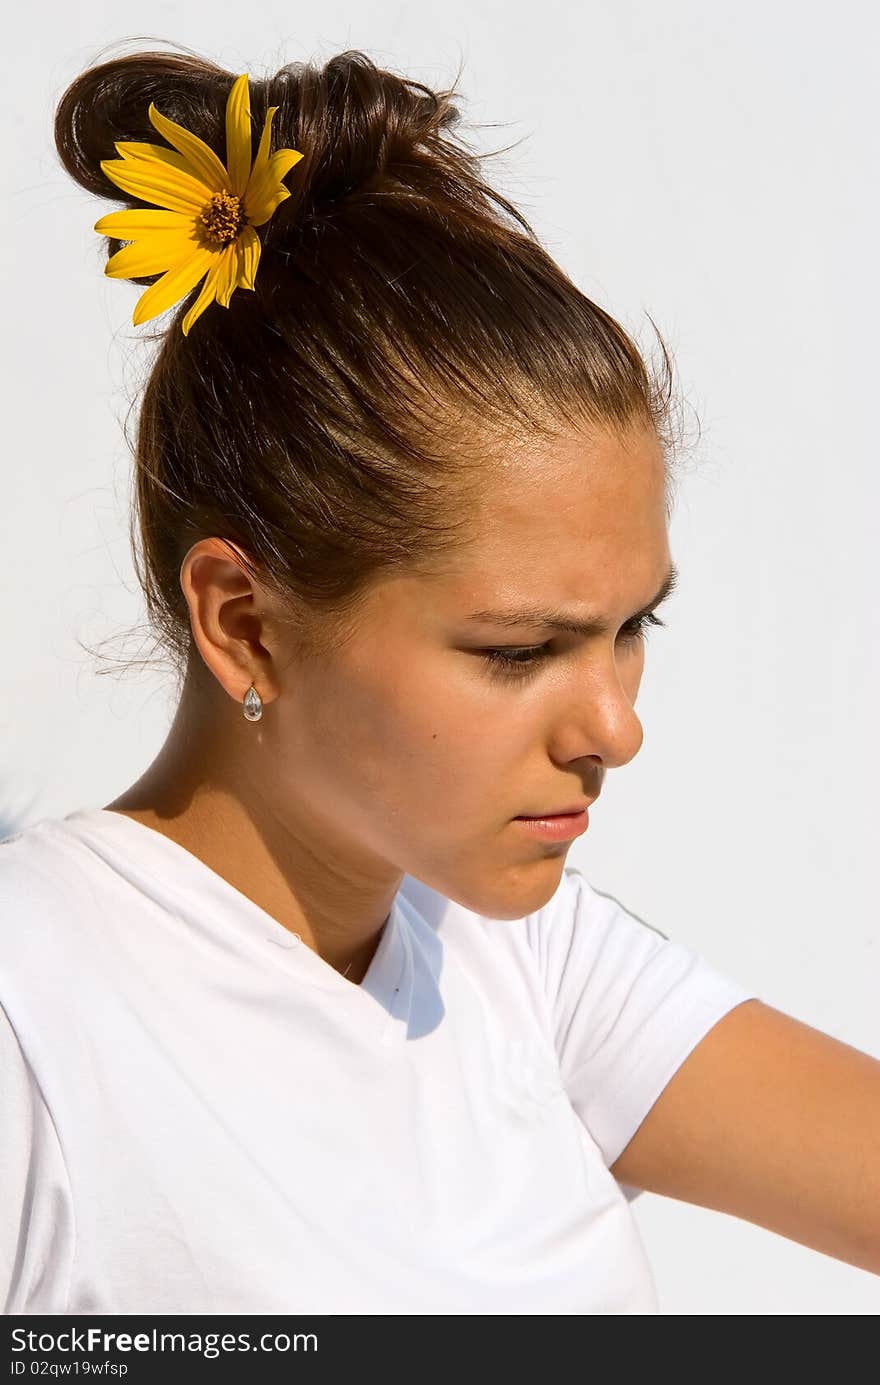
[[560, 620]]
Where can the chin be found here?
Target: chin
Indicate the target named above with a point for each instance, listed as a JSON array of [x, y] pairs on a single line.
[[511, 896]]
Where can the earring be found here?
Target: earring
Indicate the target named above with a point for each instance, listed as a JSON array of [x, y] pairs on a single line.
[[252, 708]]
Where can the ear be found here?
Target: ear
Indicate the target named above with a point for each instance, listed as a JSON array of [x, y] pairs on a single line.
[[231, 619]]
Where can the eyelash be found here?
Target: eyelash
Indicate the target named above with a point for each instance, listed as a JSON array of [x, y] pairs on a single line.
[[510, 663]]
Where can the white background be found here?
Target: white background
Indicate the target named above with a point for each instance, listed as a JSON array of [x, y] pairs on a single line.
[[715, 166]]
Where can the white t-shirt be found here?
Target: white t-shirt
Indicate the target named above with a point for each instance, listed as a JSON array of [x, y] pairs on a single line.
[[200, 1115]]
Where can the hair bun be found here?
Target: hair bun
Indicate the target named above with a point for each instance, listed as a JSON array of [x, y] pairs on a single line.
[[356, 128], [110, 102], [355, 122]]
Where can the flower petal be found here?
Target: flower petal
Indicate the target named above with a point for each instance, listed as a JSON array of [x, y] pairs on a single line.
[[266, 136], [174, 285], [282, 162], [269, 201], [248, 247], [141, 221], [201, 158], [238, 135], [155, 153], [155, 181], [227, 274], [265, 141], [264, 190], [152, 255], [207, 295]]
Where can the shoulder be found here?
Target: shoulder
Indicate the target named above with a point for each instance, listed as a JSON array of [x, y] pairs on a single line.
[[35, 867], [41, 847], [43, 886], [34, 857]]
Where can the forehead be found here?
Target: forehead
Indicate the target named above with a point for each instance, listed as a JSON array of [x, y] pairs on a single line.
[[577, 510]]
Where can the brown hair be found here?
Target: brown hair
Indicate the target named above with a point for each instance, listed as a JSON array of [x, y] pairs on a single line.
[[406, 326]]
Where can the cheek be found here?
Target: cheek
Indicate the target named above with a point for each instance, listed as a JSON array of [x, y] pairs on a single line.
[[392, 731], [434, 737]]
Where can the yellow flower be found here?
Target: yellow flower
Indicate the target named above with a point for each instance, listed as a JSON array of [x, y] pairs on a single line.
[[206, 225]]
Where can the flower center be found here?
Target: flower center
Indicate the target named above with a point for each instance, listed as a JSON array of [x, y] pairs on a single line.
[[223, 217]]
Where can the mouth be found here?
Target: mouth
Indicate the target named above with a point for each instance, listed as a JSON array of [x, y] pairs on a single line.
[[556, 826]]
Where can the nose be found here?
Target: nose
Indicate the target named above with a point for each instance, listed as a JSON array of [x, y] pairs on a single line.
[[600, 721]]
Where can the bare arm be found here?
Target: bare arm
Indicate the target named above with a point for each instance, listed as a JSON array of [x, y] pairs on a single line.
[[773, 1121]]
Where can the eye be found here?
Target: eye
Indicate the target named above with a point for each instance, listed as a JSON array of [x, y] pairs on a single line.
[[636, 630], [518, 661], [513, 660]]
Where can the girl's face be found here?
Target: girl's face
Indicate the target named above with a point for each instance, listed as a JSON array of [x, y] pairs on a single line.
[[413, 748]]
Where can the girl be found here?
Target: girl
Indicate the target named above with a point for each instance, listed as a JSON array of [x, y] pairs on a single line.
[[313, 1017]]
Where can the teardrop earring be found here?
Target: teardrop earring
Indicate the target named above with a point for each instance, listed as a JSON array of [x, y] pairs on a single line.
[[252, 707]]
